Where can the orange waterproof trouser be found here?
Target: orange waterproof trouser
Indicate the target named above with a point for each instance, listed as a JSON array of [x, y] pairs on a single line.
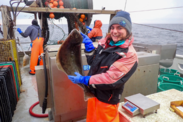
[[98, 111], [36, 50]]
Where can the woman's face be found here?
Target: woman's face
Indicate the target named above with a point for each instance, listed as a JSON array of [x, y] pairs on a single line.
[[118, 32]]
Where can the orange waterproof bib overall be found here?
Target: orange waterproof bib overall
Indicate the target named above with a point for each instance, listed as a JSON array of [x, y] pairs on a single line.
[[36, 50], [98, 111]]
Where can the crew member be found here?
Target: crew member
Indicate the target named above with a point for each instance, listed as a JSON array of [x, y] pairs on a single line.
[[95, 33], [34, 32], [112, 63]]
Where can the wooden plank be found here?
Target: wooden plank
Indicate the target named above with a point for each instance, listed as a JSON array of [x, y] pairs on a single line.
[[35, 16], [66, 10], [5, 22], [111, 16], [8, 32], [10, 26]]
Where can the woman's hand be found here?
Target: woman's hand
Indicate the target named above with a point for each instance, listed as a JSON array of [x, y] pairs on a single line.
[[79, 78], [88, 43]]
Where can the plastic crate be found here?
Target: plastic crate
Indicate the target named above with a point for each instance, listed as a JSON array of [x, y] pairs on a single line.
[[169, 71], [160, 79], [172, 79], [168, 86]]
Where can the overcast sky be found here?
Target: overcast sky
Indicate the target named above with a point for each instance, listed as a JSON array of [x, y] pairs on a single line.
[[166, 16]]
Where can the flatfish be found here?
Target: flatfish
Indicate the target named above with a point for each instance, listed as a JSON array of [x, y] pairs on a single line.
[[68, 58]]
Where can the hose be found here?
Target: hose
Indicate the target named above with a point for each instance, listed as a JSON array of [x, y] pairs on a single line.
[[36, 115], [44, 106], [14, 12]]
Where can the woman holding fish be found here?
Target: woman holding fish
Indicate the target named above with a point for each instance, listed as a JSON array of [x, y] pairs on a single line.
[[112, 63]]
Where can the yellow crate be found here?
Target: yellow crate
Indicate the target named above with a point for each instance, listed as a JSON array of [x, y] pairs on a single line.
[[8, 52]]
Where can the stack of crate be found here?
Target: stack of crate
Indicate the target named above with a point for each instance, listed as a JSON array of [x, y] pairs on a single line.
[[8, 52], [10, 79]]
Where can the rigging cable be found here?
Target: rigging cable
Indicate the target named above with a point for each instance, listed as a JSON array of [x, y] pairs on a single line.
[[159, 27], [125, 5], [156, 9], [20, 10]]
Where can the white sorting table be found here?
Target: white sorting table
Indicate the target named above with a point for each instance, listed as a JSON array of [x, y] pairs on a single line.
[[163, 114]]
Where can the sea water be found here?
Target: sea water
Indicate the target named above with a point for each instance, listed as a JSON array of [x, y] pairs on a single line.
[[142, 34]]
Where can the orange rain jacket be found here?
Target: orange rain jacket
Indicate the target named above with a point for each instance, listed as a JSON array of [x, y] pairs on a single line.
[[96, 32]]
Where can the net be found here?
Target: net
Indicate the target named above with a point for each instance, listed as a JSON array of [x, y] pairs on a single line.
[[56, 33]]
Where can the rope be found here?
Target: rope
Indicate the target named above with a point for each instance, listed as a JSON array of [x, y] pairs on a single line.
[[160, 28], [156, 9]]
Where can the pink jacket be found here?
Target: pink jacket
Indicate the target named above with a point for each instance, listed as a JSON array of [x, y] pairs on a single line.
[[119, 68]]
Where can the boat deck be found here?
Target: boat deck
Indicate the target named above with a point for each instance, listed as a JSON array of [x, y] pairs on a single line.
[[28, 97]]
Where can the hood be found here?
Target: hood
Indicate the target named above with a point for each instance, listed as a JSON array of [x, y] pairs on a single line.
[[34, 22], [35, 26], [97, 24]]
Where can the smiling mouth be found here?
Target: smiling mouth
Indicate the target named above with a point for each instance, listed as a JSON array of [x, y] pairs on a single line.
[[114, 35]]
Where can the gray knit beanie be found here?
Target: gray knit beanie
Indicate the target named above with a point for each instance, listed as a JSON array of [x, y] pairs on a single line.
[[122, 18]]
